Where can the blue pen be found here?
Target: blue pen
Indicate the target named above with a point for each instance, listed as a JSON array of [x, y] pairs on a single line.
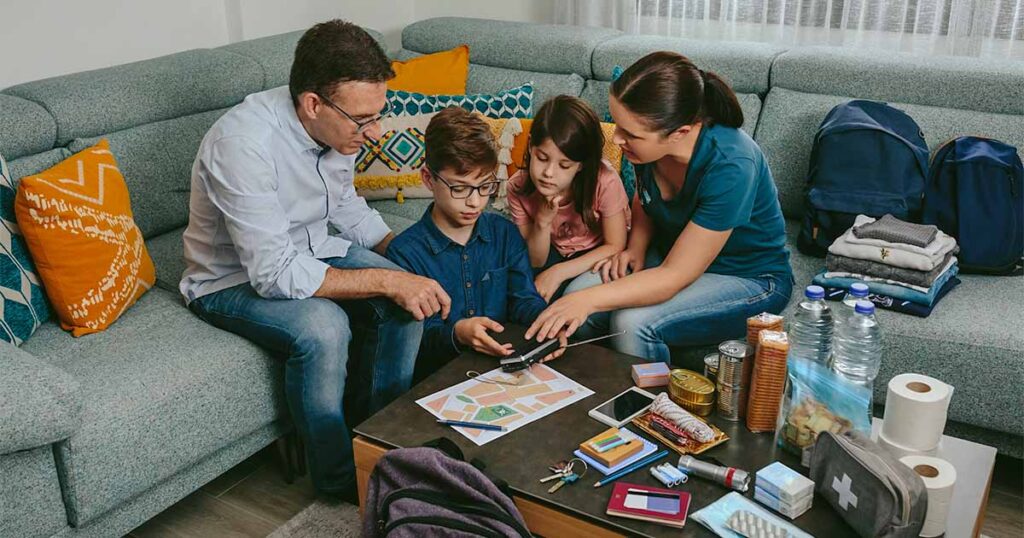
[[474, 425], [636, 465]]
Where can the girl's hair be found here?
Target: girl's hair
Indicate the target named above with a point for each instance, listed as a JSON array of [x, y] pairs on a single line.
[[573, 126], [669, 91]]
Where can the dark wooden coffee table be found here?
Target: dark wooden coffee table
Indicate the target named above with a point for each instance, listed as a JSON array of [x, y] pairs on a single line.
[[522, 456]]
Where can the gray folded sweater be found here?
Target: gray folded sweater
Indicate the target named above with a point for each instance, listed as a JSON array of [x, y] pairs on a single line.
[[894, 230], [841, 264]]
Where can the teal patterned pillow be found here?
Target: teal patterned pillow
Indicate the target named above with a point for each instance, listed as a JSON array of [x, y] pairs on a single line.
[[23, 305], [627, 173], [512, 103]]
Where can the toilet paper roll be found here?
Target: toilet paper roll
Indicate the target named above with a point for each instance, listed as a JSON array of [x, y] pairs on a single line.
[[899, 450], [915, 411], [939, 478]]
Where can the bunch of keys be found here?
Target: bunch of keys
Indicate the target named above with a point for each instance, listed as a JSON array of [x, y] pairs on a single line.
[[564, 474]]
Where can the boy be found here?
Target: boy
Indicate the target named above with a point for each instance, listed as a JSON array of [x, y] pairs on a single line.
[[479, 258]]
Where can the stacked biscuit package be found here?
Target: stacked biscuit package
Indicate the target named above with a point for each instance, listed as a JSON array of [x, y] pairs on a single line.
[[768, 381]]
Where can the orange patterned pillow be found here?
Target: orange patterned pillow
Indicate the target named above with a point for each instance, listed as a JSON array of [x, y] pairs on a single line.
[[442, 72], [77, 221]]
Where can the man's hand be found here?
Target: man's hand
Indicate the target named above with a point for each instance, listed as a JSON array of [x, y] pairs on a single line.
[[619, 265], [420, 296], [472, 332], [548, 282]]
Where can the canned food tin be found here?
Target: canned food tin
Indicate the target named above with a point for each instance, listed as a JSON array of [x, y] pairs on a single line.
[[689, 387], [735, 364], [711, 367]]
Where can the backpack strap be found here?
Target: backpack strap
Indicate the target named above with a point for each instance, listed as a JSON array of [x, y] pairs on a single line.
[[501, 484]]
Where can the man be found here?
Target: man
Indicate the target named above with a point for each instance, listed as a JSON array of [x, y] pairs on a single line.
[[269, 177]]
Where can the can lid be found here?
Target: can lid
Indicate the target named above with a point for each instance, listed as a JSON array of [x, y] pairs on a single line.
[[865, 307], [859, 289], [691, 387], [815, 292]]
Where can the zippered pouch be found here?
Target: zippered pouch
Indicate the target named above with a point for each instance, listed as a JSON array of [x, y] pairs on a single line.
[[867, 486]]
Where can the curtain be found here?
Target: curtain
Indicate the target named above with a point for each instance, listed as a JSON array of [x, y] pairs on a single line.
[[984, 28]]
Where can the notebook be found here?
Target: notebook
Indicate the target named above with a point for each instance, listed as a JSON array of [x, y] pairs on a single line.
[[648, 449], [657, 505], [628, 444]]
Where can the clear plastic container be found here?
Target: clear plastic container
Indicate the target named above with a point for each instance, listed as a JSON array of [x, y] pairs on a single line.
[[810, 331], [858, 346]]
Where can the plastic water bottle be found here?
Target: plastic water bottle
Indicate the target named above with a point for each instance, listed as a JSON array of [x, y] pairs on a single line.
[[858, 291], [858, 346], [810, 333]]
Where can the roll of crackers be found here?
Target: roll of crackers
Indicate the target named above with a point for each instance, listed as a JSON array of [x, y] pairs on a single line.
[[762, 322], [768, 381]]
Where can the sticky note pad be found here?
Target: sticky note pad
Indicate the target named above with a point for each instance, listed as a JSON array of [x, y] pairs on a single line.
[[651, 374]]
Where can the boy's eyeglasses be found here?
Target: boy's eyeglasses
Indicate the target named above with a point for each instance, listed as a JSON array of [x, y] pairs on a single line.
[[361, 126], [460, 192]]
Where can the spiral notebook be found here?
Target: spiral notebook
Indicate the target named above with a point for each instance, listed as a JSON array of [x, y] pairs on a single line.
[[657, 505]]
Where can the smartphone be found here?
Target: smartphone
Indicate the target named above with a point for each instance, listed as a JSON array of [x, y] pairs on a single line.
[[623, 408]]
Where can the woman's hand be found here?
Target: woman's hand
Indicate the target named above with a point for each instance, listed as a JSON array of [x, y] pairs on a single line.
[[548, 282], [619, 265], [568, 313]]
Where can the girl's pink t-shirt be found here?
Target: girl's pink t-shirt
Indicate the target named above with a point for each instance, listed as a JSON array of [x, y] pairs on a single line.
[[569, 234]]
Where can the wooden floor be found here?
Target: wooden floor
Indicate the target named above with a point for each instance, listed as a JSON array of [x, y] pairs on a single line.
[[252, 500]]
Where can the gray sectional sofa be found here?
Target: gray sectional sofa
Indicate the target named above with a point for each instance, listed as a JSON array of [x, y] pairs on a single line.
[[100, 433]]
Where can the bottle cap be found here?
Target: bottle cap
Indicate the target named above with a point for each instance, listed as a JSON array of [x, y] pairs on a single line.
[[859, 289], [865, 307], [815, 292]]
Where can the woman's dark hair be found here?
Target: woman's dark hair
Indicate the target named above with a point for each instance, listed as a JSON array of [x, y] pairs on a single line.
[[669, 91], [573, 126], [333, 52]]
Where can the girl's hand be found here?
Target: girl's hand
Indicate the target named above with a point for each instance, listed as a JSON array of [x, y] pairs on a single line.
[[548, 282], [567, 313], [619, 265], [548, 210]]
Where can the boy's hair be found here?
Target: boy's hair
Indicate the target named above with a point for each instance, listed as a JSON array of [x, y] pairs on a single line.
[[333, 52], [461, 141], [573, 126]]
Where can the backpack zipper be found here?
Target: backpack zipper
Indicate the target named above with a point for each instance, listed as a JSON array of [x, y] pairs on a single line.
[[436, 521]]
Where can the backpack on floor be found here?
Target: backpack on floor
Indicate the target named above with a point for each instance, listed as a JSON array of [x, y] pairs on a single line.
[[430, 491], [868, 158], [975, 193]]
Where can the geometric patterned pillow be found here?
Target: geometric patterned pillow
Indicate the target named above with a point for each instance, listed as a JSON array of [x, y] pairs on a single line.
[[512, 103], [23, 305]]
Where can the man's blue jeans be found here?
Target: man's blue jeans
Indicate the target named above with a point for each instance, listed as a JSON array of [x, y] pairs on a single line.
[[712, 309], [313, 336]]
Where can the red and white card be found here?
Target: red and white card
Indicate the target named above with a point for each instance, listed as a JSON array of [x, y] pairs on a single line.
[[657, 505]]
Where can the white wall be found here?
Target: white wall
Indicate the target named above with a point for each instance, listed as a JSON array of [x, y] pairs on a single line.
[[46, 38]]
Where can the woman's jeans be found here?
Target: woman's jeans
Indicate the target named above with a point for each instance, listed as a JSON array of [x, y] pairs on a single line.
[[712, 309]]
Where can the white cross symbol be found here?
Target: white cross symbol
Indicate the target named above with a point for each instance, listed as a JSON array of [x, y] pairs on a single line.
[[846, 496]]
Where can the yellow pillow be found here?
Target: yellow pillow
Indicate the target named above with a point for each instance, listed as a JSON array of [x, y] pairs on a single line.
[[438, 73], [77, 221]]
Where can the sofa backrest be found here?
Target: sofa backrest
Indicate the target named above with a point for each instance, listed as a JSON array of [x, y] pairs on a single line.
[[154, 112]]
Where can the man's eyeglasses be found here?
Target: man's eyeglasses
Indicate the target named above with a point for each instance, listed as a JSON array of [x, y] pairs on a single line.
[[363, 125], [460, 192]]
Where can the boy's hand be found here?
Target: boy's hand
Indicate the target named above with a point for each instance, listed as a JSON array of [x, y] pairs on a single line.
[[420, 296], [473, 333], [548, 282]]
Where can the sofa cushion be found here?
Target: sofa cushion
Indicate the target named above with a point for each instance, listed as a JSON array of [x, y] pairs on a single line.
[[547, 48], [30, 502], [596, 93], [745, 66], [945, 81], [161, 390], [972, 341], [25, 127], [35, 163], [790, 120], [40, 403], [189, 82], [488, 79], [156, 160], [440, 72], [275, 54], [168, 253]]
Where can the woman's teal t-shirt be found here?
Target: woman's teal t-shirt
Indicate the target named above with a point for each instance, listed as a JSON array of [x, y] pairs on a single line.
[[728, 187]]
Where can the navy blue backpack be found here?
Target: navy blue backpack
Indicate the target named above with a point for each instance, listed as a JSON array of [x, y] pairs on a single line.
[[868, 158], [975, 194]]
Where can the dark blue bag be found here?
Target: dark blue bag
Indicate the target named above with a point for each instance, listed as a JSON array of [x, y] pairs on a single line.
[[868, 158], [975, 194]]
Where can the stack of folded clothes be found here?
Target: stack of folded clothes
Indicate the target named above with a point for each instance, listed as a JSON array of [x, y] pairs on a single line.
[[908, 267]]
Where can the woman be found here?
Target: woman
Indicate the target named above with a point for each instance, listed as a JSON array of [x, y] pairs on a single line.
[[707, 244]]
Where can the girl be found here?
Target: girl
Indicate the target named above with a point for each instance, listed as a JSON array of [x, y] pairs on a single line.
[[568, 203], [707, 245]]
